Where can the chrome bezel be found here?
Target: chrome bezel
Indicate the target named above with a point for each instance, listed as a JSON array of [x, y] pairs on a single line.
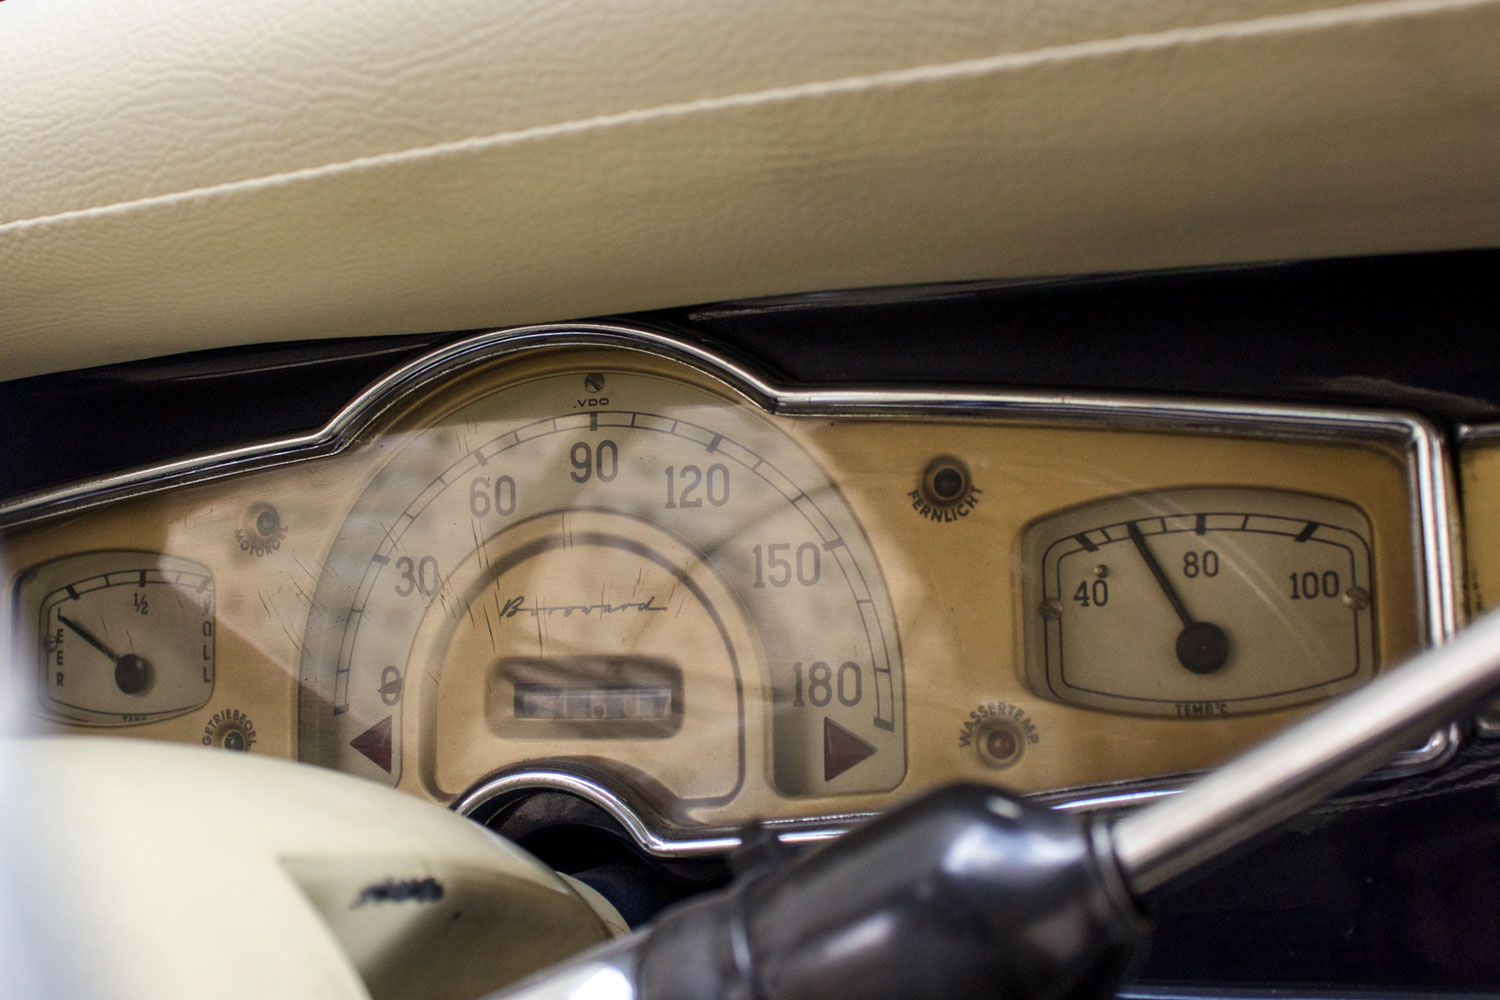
[[1429, 483]]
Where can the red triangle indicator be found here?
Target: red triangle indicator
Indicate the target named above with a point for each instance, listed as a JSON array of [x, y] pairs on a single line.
[[841, 749], [375, 743]]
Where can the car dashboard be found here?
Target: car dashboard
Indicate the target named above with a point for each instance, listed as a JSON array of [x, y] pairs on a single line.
[[638, 564], [669, 435]]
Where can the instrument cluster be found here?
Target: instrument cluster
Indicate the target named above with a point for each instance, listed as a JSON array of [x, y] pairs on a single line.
[[603, 556]]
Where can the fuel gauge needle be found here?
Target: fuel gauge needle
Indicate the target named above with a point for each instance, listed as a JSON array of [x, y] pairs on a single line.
[[89, 637], [1202, 647], [132, 672]]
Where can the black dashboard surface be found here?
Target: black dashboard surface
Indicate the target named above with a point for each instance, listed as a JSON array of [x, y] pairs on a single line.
[[1410, 332]]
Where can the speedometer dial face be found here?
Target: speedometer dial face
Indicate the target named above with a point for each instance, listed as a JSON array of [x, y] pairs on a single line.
[[1197, 603], [605, 569]]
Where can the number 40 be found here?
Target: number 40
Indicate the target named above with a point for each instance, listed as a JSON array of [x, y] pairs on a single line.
[[1093, 593]]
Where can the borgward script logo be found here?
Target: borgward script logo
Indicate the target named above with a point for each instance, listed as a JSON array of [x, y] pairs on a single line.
[[518, 606]]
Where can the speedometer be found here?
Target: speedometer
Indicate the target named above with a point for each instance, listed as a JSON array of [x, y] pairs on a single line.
[[604, 568]]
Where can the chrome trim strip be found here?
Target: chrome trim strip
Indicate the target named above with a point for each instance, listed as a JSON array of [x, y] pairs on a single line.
[[1477, 432], [1427, 455], [518, 783], [591, 791]]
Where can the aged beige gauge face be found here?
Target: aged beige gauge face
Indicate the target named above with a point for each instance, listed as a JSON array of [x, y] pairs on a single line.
[[606, 566], [118, 637], [1206, 602]]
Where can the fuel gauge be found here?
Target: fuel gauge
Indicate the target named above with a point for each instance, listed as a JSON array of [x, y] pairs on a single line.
[[118, 637]]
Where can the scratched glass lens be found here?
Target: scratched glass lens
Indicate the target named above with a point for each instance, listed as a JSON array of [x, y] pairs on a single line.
[[613, 567], [119, 636], [1193, 603]]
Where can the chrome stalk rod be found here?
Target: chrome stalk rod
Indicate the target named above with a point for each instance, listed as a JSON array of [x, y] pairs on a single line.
[[1308, 761]]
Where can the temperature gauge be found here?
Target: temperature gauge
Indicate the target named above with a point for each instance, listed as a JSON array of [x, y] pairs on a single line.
[[1202, 602], [118, 637]]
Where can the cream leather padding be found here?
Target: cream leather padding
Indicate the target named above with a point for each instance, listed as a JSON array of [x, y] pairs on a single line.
[[191, 174], [146, 870]]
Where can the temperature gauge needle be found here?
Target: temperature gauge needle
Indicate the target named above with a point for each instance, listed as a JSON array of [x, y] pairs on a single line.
[[132, 673], [1202, 647]]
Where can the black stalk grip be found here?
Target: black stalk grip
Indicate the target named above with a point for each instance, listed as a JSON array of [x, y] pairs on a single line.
[[966, 892]]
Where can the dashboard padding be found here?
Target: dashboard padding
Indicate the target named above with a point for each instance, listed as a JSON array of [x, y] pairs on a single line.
[[191, 175]]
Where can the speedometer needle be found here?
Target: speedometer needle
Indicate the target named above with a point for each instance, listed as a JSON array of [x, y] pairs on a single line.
[[1202, 647]]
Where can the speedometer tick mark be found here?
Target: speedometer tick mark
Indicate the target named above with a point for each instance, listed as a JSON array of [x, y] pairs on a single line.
[[713, 445]]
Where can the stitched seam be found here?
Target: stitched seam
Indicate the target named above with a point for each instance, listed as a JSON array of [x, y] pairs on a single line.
[[1322, 19]]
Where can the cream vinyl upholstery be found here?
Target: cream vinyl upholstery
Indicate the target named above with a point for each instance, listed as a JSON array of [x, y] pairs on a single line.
[[191, 174], [146, 870]]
